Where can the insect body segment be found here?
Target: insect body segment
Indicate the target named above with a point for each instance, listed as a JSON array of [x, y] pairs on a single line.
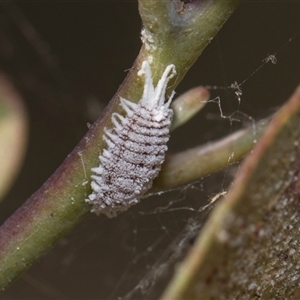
[[136, 148]]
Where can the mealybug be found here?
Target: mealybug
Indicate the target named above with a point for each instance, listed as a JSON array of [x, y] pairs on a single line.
[[136, 148]]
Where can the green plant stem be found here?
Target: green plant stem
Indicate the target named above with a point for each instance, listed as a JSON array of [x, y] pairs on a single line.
[[59, 204], [188, 105], [192, 164]]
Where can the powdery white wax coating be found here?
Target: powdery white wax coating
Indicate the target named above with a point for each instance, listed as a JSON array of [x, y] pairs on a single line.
[[136, 148]]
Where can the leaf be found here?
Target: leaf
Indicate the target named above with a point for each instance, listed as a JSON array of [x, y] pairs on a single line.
[[13, 134], [249, 248]]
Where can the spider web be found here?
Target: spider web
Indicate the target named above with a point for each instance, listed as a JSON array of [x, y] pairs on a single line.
[[134, 255]]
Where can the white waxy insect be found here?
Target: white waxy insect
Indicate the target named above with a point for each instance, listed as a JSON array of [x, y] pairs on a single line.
[[136, 148]]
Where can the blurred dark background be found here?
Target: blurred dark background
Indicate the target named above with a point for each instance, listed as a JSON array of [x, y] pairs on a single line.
[[67, 59]]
